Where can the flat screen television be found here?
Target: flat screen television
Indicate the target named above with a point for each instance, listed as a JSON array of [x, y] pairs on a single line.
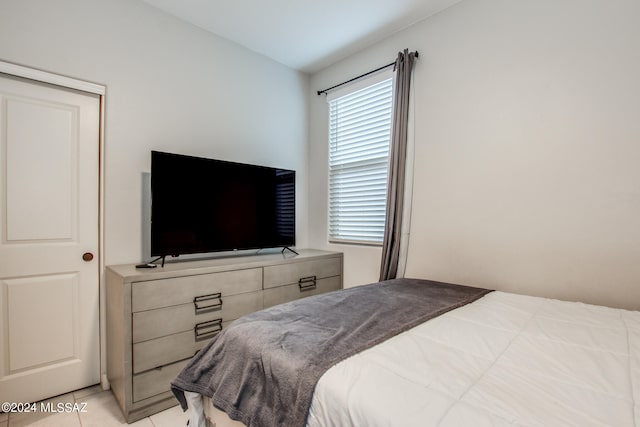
[[201, 205]]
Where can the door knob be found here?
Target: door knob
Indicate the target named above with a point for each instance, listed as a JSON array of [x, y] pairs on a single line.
[[87, 256]]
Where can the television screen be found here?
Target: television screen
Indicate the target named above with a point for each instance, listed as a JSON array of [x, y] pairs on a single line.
[[203, 205]]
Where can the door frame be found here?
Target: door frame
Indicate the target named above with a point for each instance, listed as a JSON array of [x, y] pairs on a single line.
[[100, 90]]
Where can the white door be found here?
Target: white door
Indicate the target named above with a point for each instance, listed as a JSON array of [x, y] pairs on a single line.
[[49, 295]]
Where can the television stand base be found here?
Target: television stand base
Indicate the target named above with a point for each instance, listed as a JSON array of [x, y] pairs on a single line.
[[287, 247]]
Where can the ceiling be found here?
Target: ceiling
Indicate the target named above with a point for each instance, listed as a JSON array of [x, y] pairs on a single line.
[[306, 35]]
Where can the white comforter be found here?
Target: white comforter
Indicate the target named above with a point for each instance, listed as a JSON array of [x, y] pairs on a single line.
[[503, 360]]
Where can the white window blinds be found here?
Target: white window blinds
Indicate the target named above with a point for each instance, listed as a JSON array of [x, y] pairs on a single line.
[[359, 134]]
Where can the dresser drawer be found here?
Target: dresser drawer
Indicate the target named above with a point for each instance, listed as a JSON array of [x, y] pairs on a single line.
[[286, 274], [152, 324], [165, 350], [156, 381], [282, 294], [181, 290]]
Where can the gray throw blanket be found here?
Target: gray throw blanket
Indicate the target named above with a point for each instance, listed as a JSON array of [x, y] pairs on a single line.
[[263, 368]]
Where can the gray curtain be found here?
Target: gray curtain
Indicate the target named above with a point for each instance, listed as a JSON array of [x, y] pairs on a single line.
[[397, 160]]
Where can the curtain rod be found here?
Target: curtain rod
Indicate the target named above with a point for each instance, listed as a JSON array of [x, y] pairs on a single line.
[[320, 92]]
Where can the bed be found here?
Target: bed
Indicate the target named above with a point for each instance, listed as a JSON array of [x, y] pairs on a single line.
[[493, 359]]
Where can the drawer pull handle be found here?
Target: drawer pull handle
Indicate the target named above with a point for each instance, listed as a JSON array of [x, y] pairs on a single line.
[[217, 303], [307, 283], [205, 330]]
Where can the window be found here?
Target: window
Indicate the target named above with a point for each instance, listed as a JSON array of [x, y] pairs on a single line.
[[359, 134]]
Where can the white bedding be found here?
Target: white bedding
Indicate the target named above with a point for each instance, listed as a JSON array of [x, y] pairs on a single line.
[[505, 359]]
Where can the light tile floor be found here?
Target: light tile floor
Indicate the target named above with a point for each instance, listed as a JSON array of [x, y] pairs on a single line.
[[101, 410]]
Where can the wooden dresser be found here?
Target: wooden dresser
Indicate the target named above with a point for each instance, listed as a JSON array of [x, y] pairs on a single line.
[[157, 319]]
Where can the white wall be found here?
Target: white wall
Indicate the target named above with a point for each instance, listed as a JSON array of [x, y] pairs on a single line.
[[170, 87], [527, 148]]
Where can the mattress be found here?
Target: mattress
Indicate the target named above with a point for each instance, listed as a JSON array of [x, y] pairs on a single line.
[[504, 359]]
